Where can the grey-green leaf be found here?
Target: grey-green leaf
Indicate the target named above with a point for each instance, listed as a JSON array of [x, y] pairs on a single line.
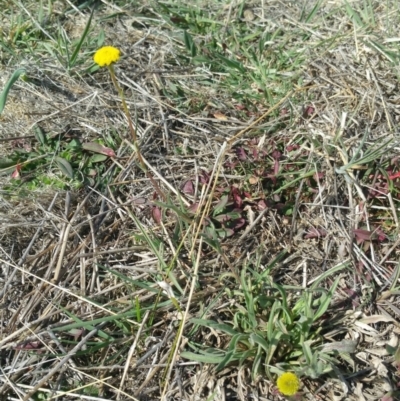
[[3, 96], [64, 166]]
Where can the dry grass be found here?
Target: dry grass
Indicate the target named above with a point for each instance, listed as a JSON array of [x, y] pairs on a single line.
[[101, 281]]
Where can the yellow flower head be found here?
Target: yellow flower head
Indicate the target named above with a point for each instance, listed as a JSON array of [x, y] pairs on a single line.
[[288, 383], [106, 55]]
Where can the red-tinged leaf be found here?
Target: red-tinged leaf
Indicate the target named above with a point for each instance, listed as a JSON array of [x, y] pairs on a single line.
[[388, 397], [237, 198], [362, 235], [247, 195], [241, 154], [238, 223], [292, 147], [381, 236], [315, 233], [188, 187], [365, 235], [204, 177], [379, 189], [276, 167], [240, 107], [156, 213], [276, 155], [308, 111], [29, 346], [97, 148], [261, 205], [222, 218], [16, 173], [353, 296], [284, 111], [193, 208], [394, 176], [231, 165]]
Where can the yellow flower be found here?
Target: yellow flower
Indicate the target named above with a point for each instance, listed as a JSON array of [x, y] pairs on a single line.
[[106, 55], [288, 383]]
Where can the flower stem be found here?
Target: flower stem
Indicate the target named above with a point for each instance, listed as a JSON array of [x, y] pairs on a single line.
[[133, 133]]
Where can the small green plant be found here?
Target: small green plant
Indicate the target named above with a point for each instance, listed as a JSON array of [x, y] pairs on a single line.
[[272, 330], [55, 161]]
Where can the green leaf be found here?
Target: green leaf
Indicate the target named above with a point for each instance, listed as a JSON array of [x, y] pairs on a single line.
[[226, 328], [236, 65], [74, 56], [206, 358], [201, 59], [100, 39], [64, 166], [220, 206], [176, 209], [98, 158], [97, 148], [312, 13], [232, 353], [272, 316], [40, 135], [257, 339], [274, 345], [3, 96], [5, 162], [328, 273], [212, 242], [248, 296], [353, 15], [307, 351], [326, 300], [87, 326], [190, 45]]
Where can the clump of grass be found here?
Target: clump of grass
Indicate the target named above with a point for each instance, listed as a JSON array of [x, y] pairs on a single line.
[[271, 331]]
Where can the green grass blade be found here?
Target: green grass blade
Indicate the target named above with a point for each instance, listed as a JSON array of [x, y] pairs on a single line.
[[354, 16], [3, 96], [326, 300], [78, 47], [328, 273], [218, 326], [189, 43], [312, 13]]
